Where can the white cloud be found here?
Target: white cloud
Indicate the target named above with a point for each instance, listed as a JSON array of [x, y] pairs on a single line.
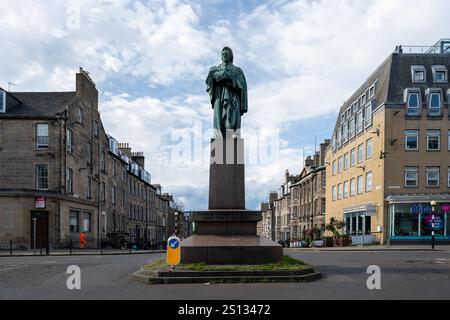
[[302, 59]]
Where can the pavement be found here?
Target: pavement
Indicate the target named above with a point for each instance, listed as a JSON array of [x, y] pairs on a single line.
[[404, 275]]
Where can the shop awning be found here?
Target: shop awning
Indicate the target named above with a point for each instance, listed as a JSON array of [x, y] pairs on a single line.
[[417, 198], [369, 209]]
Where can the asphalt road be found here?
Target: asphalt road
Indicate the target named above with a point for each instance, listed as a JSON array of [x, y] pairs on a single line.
[[404, 275]]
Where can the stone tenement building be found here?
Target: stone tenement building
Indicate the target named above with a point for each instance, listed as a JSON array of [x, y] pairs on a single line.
[[307, 205], [267, 224], [282, 209], [298, 206], [59, 167], [389, 155]]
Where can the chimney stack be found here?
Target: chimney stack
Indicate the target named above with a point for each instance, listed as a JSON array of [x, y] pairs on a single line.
[[125, 148], [309, 161], [85, 88], [139, 158]]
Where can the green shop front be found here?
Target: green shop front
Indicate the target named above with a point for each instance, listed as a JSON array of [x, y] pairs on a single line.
[[411, 217]]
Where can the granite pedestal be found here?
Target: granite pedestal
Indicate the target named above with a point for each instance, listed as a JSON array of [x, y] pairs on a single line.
[[226, 233]]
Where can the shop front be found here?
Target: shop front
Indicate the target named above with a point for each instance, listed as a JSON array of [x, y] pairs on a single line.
[[358, 223], [411, 222]]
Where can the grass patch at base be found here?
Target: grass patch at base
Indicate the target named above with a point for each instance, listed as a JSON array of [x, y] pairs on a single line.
[[287, 264]]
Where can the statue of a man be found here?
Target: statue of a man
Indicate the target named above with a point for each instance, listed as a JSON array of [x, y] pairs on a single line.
[[227, 89]]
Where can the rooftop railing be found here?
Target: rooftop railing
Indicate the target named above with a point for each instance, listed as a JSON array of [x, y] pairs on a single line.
[[442, 47]]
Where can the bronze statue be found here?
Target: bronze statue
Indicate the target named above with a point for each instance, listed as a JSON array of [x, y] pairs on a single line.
[[227, 89]]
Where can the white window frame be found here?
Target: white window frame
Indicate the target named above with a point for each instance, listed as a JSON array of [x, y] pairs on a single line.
[[448, 177], [413, 111], [339, 191], [433, 170], [334, 172], [3, 101], [369, 187], [345, 132], [448, 140], [369, 142], [368, 116], [353, 157], [37, 177], [372, 91], [346, 161], [416, 69], [361, 153], [411, 133], [360, 185], [87, 217], [340, 164], [353, 187], [439, 69], [429, 135], [339, 138], [352, 127], [346, 190], [434, 111], [42, 145], [359, 122], [409, 170], [69, 140]]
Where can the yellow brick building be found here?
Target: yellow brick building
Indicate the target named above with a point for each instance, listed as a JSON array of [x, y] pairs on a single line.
[[389, 156]]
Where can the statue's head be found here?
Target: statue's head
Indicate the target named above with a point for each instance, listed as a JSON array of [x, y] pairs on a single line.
[[227, 55]]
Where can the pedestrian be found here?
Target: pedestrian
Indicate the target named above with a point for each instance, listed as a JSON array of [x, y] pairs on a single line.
[[82, 240]]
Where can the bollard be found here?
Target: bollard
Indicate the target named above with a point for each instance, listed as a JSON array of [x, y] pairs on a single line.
[[10, 247], [101, 246], [70, 245]]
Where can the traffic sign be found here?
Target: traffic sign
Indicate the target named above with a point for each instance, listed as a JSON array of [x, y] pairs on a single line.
[[173, 251]]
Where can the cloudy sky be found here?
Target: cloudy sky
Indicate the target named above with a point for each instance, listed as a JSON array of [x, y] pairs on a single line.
[[302, 59]]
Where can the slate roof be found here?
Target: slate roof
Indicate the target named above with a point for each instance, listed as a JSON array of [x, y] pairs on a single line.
[[394, 75], [36, 104]]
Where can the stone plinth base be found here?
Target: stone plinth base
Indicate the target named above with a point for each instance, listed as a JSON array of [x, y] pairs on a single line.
[[230, 249], [227, 174], [226, 222]]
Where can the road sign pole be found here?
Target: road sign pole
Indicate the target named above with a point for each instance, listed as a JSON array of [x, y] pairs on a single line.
[[34, 235], [432, 231]]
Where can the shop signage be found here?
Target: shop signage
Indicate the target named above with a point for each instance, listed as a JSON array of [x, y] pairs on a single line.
[[438, 221], [445, 207], [40, 203], [418, 208]]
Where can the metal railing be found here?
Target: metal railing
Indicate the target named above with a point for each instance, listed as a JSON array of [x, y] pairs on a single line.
[[69, 246]]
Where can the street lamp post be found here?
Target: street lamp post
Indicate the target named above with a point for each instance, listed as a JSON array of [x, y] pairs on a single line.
[[363, 227], [176, 222], [34, 234], [433, 204]]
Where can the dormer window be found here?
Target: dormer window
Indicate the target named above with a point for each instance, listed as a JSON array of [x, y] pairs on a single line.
[[440, 74], [355, 107], [413, 102], [2, 101], [434, 97], [345, 132], [419, 74], [372, 91]]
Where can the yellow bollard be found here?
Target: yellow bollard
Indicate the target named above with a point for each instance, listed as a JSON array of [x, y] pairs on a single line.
[[173, 251]]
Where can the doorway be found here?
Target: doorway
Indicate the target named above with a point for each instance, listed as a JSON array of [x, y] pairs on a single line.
[[41, 218]]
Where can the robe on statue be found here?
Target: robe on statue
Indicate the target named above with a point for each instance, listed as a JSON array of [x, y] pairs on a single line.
[[227, 89]]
